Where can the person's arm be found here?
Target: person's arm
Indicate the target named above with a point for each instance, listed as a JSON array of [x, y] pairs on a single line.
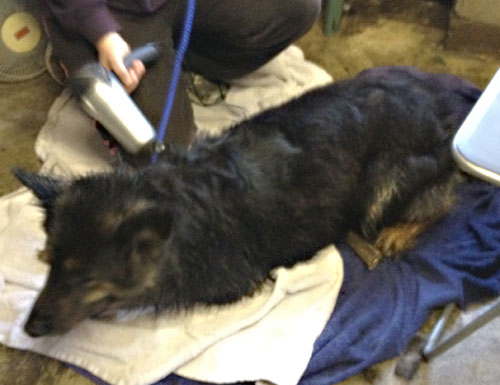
[[93, 20], [88, 18]]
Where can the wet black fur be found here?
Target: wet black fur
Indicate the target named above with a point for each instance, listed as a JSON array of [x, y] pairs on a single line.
[[269, 192]]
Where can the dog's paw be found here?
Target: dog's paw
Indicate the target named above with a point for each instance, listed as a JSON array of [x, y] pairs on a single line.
[[395, 240]]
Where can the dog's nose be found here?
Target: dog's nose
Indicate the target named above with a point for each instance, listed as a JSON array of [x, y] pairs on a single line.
[[38, 325]]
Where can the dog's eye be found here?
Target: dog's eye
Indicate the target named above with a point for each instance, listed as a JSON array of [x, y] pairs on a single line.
[[82, 280]]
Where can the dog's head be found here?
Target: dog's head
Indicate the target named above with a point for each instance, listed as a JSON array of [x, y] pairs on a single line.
[[105, 242]]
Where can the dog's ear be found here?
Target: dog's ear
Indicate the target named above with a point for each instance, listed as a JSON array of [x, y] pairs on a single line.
[[148, 232], [45, 188]]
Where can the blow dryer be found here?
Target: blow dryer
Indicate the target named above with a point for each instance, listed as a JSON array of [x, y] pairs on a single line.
[[103, 97]]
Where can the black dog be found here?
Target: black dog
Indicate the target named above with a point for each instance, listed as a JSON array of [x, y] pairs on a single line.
[[368, 157]]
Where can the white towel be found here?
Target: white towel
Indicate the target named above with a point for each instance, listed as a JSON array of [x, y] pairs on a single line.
[[269, 336]]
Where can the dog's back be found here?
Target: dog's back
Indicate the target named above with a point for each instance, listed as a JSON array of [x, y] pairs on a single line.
[[352, 155]]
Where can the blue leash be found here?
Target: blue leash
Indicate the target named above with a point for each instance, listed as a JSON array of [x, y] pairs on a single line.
[[179, 57]]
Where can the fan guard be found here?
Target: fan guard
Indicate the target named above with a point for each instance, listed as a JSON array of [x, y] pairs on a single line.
[[22, 41]]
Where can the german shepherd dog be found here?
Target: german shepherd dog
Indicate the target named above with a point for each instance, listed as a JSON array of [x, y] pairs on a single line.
[[367, 159]]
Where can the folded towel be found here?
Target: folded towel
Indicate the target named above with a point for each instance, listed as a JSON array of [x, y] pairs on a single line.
[[269, 336]]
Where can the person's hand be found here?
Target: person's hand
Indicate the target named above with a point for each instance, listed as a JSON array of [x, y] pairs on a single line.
[[112, 49]]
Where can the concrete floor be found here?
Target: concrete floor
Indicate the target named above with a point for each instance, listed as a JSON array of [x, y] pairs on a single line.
[[373, 33]]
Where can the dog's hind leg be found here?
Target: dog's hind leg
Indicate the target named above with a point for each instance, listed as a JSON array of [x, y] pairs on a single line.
[[425, 209], [406, 200], [396, 239], [385, 183]]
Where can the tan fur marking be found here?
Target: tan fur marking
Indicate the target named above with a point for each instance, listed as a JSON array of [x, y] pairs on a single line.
[[95, 295], [45, 256], [97, 291], [148, 272], [434, 203], [394, 240], [150, 279], [383, 196], [100, 290], [111, 219]]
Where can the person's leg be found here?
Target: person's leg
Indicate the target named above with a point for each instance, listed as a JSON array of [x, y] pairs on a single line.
[[231, 38], [69, 50]]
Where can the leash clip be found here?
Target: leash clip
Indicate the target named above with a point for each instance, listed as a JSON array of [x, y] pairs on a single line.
[[159, 147]]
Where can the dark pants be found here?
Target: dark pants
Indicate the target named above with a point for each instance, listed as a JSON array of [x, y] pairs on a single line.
[[230, 38]]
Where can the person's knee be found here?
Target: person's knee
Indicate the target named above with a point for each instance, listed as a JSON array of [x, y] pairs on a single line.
[[243, 36], [301, 15], [277, 23]]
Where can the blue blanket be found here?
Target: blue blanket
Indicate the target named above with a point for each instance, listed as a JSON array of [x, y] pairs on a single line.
[[379, 311]]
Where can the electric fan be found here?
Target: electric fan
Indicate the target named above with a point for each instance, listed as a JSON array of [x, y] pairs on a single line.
[[22, 42]]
